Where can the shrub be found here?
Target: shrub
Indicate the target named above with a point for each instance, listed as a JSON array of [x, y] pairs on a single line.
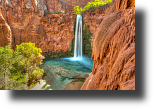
[[57, 12], [19, 68], [62, 11], [34, 58], [12, 69], [32, 25], [91, 5], [87, 50], [46, 12]]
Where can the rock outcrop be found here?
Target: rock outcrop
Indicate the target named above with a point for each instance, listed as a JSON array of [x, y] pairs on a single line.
[[5, 32], [38, 6], [26, 19], [65, 5], [59, 30], [94, 17], [114, 49], [52, 32]]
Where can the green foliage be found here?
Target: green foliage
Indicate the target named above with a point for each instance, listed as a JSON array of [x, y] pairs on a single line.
[[87, 50], [91, 5], [19, 68], [77, 10], [11, 64], [57, 12], [29, 51], [32, 25], [62, 11], [81, 80], [58, 54], [46, 12], [34, 58]]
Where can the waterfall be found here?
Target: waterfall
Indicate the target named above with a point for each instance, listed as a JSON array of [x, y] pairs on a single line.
[[78, 38]]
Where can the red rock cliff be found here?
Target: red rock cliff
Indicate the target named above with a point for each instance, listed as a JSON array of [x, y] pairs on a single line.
[[5, 32], [94, 17], [114, 49], [52, 32], [38, 6], [66, 5]]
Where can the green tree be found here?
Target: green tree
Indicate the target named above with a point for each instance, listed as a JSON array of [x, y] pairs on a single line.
[[19, 68], [6, 62], [11, 71], [91, 5], [34, 58], [87, 40]]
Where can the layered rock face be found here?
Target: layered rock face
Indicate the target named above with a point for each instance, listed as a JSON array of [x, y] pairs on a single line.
[[5, 32], [59, 31], [65, 5], [26, 19], [93, 18], [38, 6], [52, 32], [114, 49]]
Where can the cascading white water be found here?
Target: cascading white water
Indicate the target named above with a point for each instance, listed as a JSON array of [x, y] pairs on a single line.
[[78, 38]]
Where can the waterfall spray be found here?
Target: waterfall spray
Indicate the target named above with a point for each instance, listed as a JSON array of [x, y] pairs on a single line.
[[78, 38]]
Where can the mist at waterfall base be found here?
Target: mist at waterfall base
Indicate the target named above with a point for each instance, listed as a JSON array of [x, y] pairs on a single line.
[[82, 65]]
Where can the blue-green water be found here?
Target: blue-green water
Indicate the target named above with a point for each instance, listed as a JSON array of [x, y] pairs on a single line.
[[83, 65]]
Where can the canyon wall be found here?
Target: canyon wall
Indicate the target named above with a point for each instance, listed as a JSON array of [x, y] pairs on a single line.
[[114, 49], [27, 22], [93, 19], [5, 32], [112, 25], [38, 6], [65, 5], [52, 32]]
